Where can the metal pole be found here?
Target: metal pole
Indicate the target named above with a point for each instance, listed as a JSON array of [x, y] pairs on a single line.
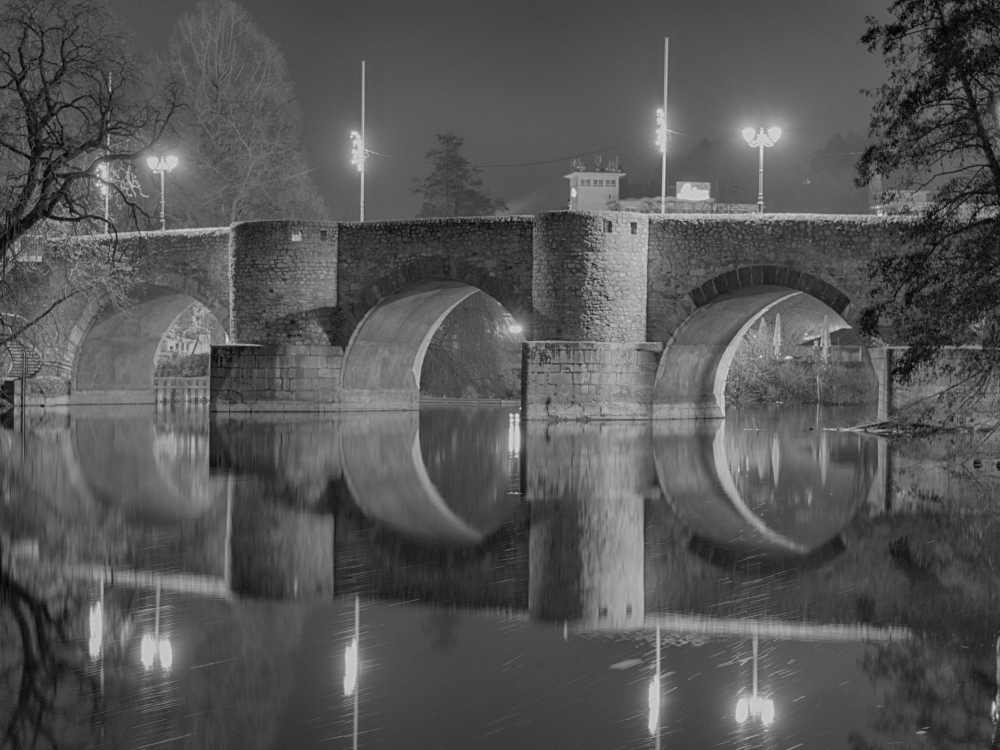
[[163, 203], [666, 132], [363, 152], [760, 176], [357, 640], [107, 167]]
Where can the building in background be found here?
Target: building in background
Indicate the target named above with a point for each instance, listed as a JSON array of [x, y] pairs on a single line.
[[595, 190]]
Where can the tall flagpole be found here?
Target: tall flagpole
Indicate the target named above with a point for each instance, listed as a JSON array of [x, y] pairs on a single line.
[[666, 132], [364, 153]]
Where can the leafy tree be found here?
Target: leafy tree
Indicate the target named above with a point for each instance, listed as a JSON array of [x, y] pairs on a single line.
[[241, 131], [72, 99], [934, 124], [454, 188]]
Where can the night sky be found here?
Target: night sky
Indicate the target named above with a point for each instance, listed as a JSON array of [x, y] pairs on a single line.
[[530, 82]]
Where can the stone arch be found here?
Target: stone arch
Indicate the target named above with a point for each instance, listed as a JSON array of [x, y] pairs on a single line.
[[748, 277], [691, 377], [385, 352], [110, 351], [431, 268]]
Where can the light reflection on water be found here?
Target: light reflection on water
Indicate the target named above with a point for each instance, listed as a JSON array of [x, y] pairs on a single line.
[[548, 545]]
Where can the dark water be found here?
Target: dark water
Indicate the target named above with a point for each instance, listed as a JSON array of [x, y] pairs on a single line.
[[510, 580]]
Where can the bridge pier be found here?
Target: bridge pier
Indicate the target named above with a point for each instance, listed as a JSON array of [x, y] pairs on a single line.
[[283, 293], [591, 359]]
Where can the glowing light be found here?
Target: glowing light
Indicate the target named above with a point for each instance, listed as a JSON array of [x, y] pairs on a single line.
[[96, 629], [160, 164], [514, 434], [358, 153], [147, 651], [166, 654], [742, 710], [761, 137], [514, 328], [654, 704], [661, 130], [351, 668], [102, 172], [757, 707], [767, 712]]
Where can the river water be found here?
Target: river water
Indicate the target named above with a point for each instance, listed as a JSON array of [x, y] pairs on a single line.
[[585, 585]]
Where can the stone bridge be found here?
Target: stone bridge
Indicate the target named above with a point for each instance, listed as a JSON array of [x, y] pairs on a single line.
[[625, 315]]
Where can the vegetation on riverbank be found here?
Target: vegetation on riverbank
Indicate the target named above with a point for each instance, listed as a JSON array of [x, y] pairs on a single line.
[[757, 376], [185, 366]]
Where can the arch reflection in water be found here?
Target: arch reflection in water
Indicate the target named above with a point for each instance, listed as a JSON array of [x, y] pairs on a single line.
[[747, 490], [441, 476]]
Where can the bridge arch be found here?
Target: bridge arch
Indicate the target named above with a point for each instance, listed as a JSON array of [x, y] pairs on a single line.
[[691, 376], [385, 353], [110, 351]]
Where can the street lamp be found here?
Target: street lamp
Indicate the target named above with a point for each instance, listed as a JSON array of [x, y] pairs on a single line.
[[661, 141], [160, 165], [358, 157], [761, 139], [755, 706], [154, 646]]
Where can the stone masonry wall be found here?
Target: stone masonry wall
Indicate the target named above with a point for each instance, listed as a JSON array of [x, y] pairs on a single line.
[[588, 380], [283, 282], [376, 259], [589, 276], [686, 252], [275, 378]]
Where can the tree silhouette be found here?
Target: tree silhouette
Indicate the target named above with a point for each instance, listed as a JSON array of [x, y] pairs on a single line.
[[454, 188]]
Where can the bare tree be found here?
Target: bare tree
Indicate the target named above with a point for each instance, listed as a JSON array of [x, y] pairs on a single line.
[[72, 101], [241, 126]]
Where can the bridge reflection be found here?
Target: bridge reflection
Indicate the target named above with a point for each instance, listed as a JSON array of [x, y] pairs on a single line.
[[599, 524]]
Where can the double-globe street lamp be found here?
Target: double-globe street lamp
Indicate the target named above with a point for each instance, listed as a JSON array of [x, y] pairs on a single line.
[[161, 165], [762, 139]]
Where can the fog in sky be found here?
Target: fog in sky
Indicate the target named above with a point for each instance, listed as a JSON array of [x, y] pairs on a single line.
[[537, 83]]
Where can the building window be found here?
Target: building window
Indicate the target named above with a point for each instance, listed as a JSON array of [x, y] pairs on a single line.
[[296, 235], [322, 235], [628, 610], [634, 227], [610, 183], [599, 183], [585, 182], [603, 612], [608, 226]]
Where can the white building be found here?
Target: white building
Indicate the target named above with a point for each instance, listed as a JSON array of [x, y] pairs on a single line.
[[594, 191]]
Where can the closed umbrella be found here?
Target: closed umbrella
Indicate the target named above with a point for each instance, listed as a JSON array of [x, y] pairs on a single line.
[[824, 340]]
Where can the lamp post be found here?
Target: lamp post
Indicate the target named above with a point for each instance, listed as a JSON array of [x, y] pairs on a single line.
[[153, 647], [351, 666], [762, 139], [358, 153], [160, 165], [358, 157], [755, 706], [661, 141]]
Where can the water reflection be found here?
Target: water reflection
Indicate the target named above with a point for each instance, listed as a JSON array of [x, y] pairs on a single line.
[[714, 531]]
